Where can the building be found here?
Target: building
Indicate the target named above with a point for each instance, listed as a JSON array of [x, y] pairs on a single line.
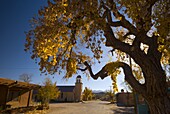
[[125, 98], [71, 93], [15, 93]]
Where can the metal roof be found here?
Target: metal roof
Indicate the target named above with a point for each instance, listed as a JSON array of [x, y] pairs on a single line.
[[66, 88]]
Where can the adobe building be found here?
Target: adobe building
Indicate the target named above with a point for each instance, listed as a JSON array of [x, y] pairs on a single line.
[[71, 93], [125, 98], [15, 93]]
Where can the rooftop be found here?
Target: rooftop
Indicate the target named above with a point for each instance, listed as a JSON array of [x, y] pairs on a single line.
[[17, 84], [66, 88]]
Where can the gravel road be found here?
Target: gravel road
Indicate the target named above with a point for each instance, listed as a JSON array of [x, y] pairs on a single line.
[[89, 107]]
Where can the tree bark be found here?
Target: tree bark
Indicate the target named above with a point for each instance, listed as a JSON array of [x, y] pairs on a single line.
[[156, 91], [159, 105]]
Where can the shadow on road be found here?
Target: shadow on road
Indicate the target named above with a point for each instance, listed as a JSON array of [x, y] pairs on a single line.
[[124, 110], [105, 103]]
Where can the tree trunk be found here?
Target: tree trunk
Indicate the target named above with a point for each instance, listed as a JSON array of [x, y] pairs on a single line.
[[156, 93], [156, 89], [159, 105]]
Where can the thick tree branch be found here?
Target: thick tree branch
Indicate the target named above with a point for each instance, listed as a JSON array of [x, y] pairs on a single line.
[[123, 22], [115, 43], [102, 73], [154, 53], [133, 50], [137, 55], [126, 24], [82, 69], [112, 41], [129, 77], [115, 24], [127, 34]]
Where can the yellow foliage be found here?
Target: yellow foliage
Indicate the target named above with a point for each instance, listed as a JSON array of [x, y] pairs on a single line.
[[71, 67], [58, 31], [87, 94], [48, 91], [63, 28], [113, 71]]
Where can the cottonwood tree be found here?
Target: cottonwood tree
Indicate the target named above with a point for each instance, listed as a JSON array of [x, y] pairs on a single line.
[[47, 92], [65, 28], [87, 94]]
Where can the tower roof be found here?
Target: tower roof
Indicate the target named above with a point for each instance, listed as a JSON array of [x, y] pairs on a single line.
[[78, 76]]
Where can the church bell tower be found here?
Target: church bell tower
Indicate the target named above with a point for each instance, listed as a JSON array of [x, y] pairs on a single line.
[[78, 89]]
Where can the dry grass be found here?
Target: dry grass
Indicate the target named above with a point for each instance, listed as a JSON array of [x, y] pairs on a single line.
[[38, 112]]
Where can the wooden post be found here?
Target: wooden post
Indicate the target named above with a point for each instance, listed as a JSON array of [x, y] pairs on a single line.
[[6, 98], [29, 98]]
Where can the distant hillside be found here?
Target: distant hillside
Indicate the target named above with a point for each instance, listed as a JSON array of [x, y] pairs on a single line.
[[97, 91], [99, 94]]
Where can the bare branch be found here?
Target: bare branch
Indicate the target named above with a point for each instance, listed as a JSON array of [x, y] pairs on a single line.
[[26, 77]]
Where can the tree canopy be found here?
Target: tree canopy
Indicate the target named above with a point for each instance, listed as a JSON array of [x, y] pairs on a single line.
[[64, 32], [64, 28]]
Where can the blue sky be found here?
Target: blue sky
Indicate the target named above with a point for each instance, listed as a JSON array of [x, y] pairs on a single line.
[[14, 21]]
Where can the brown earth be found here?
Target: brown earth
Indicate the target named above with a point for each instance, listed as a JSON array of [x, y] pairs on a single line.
[[89, 107]]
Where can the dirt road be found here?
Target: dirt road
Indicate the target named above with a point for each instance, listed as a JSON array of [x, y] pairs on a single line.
[[89, 107]]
